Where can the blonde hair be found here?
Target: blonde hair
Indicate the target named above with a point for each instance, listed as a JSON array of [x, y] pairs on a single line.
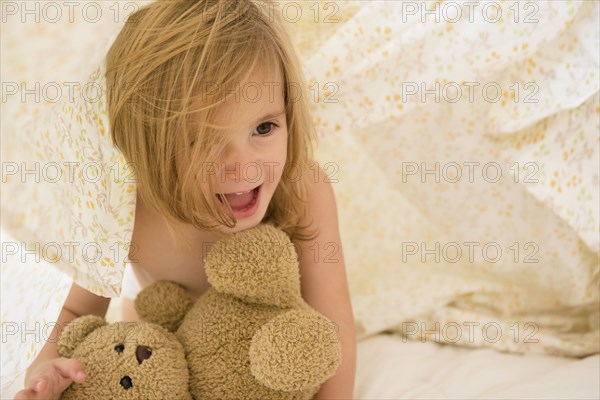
[[154, 72]]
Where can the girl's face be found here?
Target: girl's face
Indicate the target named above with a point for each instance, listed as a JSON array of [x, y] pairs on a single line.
[[254, 158]]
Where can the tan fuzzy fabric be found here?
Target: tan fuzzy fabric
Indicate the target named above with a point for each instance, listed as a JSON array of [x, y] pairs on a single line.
[[274, 365], [125, 360], [259, 267], [251, 335], [166, 305]]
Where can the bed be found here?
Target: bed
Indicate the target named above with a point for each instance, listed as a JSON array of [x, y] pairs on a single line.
[[393, 284], [390, 367]]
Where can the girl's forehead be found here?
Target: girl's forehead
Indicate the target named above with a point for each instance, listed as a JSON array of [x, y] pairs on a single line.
[[243, 104]]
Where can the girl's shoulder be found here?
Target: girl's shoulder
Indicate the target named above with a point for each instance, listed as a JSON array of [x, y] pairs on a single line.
[[321, 211]]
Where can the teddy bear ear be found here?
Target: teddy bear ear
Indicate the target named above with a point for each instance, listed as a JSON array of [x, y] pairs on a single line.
[[75, 333], [164, 303]]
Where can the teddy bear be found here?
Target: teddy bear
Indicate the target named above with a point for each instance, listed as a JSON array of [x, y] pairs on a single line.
[[125, 360], [250, 335]]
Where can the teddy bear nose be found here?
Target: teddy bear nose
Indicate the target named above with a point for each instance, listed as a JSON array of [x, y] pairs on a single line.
[[126, 382], [142, 353]]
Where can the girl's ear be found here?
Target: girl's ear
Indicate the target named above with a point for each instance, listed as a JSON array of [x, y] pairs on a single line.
[[75, 333]]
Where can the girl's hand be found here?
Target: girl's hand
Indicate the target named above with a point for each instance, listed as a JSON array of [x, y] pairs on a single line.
[[50, 378]]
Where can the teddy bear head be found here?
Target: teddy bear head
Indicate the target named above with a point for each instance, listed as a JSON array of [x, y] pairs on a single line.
[[125, 360]]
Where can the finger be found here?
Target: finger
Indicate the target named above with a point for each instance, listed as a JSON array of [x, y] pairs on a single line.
[[31, 393], [49, 386], [45, 385], [71, 369], [40, 385], [25, 394], [41, 388]]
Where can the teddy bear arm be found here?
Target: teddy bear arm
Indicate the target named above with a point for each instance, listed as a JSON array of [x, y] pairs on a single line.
[[315, 354], [164, 303]]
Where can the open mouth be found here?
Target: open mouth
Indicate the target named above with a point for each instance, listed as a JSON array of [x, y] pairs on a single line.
[[241, 201]]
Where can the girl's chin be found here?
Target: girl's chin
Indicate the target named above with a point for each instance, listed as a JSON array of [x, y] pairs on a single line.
[[243, 224], [240, 226]]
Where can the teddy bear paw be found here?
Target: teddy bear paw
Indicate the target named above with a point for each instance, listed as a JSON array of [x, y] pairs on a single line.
[[296, 350]]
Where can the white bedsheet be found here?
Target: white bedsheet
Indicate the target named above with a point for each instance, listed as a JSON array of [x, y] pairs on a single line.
[[390, 367]]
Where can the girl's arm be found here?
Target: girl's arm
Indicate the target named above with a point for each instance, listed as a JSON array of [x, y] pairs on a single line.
[[324, 284], [53, 372]]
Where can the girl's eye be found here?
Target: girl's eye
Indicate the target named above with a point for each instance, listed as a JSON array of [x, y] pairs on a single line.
[[265, 129]]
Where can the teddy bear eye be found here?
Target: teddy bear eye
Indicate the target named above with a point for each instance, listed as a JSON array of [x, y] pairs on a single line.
[[119, 348]]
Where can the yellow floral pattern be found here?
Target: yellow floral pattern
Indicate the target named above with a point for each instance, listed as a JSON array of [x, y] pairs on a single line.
[[539, 132], [393, 157]]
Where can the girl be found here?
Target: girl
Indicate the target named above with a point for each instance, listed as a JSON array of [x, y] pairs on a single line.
[[206, 103]]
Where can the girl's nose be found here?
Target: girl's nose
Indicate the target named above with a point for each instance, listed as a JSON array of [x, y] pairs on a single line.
[[231, 169], [236, 159]]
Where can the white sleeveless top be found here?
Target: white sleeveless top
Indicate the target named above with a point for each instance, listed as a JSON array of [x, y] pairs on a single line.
[[130, 286]]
